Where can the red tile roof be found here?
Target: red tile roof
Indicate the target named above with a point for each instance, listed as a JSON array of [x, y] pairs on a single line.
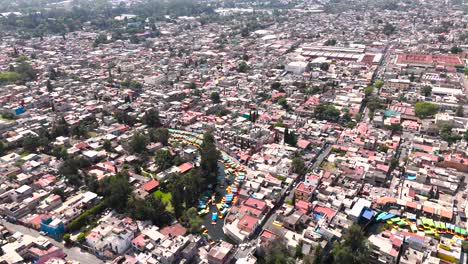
[[174, 230], [303, 144], [255, 203], [305, 189], [446, 213], [185, 167], [428, 209], [149, 186], [248, 222]]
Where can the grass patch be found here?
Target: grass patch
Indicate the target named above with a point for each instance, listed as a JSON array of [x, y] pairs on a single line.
[[6, 119], [328, 166], [166, 198]]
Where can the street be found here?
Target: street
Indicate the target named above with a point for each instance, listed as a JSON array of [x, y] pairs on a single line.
[[73, 253], [315, 163]]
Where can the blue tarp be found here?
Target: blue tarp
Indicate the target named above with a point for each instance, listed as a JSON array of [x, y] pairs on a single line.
[[229, 197], [389, 216], [317, 216], [389, 112], [20, 110], [380, 216], [411, 216], [368, 214]]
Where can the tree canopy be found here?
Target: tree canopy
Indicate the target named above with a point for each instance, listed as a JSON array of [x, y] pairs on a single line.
[[352, 247], [425, 109], [151, 118], [215, 98], [277, 253], [138, 143], [327, 112], [209, 158], [426, 90]]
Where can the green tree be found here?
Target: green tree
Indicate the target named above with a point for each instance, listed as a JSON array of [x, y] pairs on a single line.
[[330, 42], [242, 67], [49, 86], [352, 247], [79, 131], [378, 84], [60, 128], [107, 146], [215, 98], [9, 77], [163, 159], [389, 29], [324, 66], [177, 201], [159, 135], [327, 112], [2, 148], [59, 192], [191, 219], [116, 190], [66, 238], [395, 128], [456, 50], [70, 169], [275, 86], [60, 152], [368, 91], [465, 246], [277, 253], [31, 143], [26, 71], [425, 109], [151, 118], [209, 158], [279, 123], [282, 101], [460, 111], [138, 143], [124, 118], [426, 90], [298, 165], [132, 84], [318, 255], [447, 135], [192, 85]]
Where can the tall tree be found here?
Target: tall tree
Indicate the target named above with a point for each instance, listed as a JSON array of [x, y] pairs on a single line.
[[151, 118], [49, 86], [215, 98], [159, 135], [352, 247], [460, 111], [298, 165], [138, 143], [163, 159], [209, 158], [277, 253], [426, 90]]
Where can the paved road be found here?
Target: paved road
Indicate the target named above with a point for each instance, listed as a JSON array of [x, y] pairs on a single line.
[[73, 253]]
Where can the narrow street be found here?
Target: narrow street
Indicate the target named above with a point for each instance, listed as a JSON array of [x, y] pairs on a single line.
[[73, 253], [315, 163]]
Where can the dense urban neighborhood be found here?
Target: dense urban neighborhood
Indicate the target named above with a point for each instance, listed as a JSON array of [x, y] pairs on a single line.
[[222, 131]]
